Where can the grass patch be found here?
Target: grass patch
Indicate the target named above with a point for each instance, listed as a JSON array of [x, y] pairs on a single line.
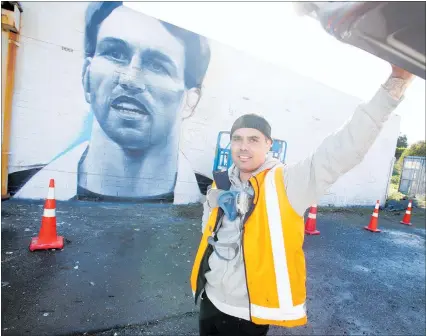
[[422, 202], [393, 193]]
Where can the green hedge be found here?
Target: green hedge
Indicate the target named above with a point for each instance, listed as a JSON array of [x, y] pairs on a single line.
[[398, 152], [395, 179]]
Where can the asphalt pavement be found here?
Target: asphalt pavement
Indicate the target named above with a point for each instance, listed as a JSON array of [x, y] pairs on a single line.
[[125, 270]]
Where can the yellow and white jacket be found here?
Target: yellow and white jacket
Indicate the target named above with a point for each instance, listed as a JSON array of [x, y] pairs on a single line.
[[265, 283]]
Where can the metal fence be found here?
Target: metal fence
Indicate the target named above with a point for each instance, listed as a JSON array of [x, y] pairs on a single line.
[[413, 177]]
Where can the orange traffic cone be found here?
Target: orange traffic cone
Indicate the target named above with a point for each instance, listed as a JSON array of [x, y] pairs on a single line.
[[407, 217], [311, 222], [374, 219], [47, 238]]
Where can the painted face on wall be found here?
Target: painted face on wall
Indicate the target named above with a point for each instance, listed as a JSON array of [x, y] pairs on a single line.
[[135, 80]]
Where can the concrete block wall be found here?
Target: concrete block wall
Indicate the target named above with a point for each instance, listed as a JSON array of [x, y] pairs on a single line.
[[55, 133]]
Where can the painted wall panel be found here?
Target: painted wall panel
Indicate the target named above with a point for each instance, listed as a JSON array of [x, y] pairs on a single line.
[[135, 114]]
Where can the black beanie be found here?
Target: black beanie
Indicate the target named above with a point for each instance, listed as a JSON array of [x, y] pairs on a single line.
[[252, 121]]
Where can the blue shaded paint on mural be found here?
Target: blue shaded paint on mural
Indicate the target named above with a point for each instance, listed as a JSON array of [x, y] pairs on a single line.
[[83, 136]]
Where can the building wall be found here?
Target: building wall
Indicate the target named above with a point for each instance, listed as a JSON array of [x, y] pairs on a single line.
[[55, 133]]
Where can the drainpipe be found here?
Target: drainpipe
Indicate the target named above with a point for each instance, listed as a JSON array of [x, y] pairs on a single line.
[[13, 39]]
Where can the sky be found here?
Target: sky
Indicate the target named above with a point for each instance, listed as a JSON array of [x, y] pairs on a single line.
[[273, 32]]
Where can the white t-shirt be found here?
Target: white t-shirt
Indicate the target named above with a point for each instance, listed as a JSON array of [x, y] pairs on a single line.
[[64, 170]]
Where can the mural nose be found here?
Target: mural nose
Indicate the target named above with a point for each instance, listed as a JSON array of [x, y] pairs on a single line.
[[130, 83]]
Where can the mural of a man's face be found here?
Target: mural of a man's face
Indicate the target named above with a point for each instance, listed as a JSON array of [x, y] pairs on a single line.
[[135, 80]]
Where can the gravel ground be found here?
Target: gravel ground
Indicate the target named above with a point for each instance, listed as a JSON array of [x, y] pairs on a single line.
[[125, 271]]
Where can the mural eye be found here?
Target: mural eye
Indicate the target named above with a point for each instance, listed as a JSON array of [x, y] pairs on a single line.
[[115, 54], [156, 67]]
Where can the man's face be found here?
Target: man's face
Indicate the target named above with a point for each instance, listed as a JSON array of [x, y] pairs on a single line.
[[135, 80], [249, 148]]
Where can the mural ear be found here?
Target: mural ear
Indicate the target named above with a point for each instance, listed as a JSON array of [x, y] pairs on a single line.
[[86, 78], [192, 98]]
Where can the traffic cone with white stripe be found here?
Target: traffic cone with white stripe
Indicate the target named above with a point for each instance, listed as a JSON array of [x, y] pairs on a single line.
[[374, 219], [47, 238], [407, 217], [311, 222]]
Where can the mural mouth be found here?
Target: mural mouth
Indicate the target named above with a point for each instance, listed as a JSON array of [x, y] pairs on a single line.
[[130, 107]]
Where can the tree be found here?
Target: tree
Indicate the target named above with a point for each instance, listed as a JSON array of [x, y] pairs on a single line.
[[402, 141], [416, 149], [401, 145]]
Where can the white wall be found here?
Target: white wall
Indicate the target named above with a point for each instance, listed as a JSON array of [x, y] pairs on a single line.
[[48, 103], [49, 108]]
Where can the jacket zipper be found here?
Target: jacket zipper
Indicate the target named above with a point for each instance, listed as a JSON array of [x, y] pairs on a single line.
[[245, 271], [242, 243]]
